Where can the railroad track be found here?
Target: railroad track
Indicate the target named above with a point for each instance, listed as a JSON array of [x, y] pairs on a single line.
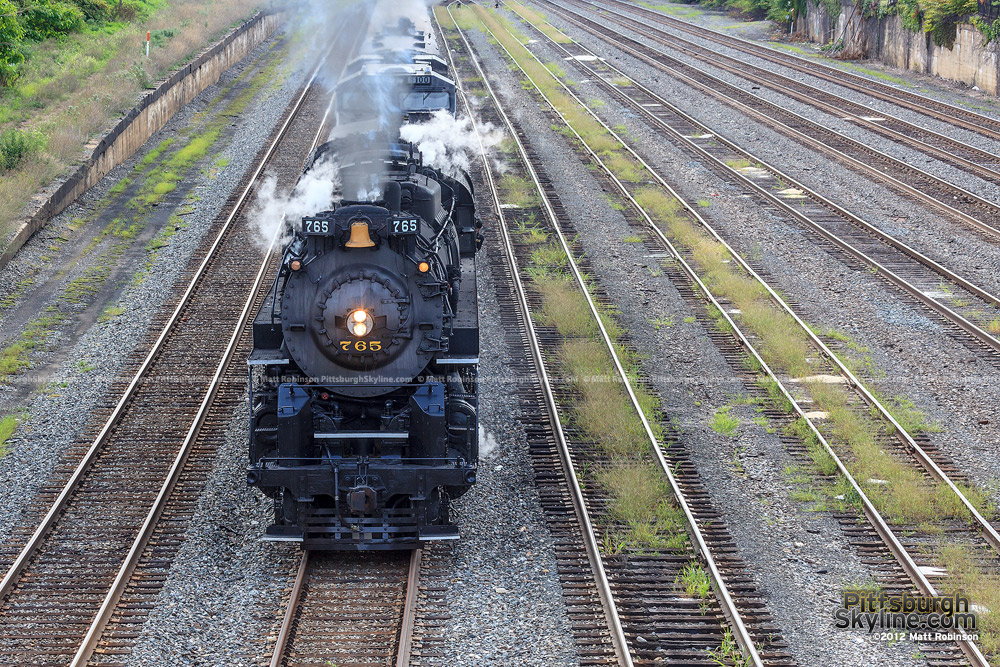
[[350, 611], [918, 553], [961, 155], [127, 500], [962, 305], [965, 207], [950, 114], [646, 618], [916, 275]]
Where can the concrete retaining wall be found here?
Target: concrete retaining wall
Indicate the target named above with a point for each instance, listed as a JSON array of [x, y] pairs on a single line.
[[149, 115], [969, 60]]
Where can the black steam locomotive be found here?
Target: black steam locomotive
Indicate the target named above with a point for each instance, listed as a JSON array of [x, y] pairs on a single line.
[[363, 372]]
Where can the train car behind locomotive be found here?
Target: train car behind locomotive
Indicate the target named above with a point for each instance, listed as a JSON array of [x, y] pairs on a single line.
[[396, 80]]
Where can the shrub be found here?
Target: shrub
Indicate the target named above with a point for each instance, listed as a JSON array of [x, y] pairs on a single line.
[[782, 11], [990, 31], [16, 146], [95, 10], [161, 37], [51, 19], [755, 9], [940, 17], [11, 34]]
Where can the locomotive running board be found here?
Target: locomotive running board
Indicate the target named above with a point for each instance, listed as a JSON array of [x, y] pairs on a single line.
[[437, 533], [267, 362]]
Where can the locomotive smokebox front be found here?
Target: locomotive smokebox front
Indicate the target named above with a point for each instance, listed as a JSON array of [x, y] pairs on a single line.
[[357, 305]]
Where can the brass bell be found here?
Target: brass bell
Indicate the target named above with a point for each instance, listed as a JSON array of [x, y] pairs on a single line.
[[360, 238]]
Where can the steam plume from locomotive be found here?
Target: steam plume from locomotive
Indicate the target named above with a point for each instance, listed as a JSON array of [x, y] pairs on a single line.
[[449, 142], [274, 213]]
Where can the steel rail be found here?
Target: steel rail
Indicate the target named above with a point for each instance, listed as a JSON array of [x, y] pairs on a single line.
[[956, 318], [835, 208], [727, 604], [289, 619], [989, 532], [812, 96], [922, 104], [111, 599], [409, 610], [880, 525], [615, 629], [716, 91], [23, 557], [407, 622]]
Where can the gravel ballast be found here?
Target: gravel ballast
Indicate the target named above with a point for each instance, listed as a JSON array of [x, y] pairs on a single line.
[[950, 243], [504, 595], [226, 587], [934, 87]]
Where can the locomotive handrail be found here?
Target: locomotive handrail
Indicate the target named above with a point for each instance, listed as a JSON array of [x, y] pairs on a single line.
[[345, 435], [357, 459]]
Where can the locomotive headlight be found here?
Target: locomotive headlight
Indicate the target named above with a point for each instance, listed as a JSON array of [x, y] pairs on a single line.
[[360, 323]]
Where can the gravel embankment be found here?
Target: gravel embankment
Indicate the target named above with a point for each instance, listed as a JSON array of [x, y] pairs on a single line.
[[800, 560], [57, 416], [953, 385]]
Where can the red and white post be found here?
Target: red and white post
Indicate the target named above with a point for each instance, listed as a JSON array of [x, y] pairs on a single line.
[[147, 43]]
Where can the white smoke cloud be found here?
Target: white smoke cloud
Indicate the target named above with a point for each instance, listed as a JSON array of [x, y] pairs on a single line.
[[311, 25], [487, 443], [449, 143], [314, 192], [314, 22]]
